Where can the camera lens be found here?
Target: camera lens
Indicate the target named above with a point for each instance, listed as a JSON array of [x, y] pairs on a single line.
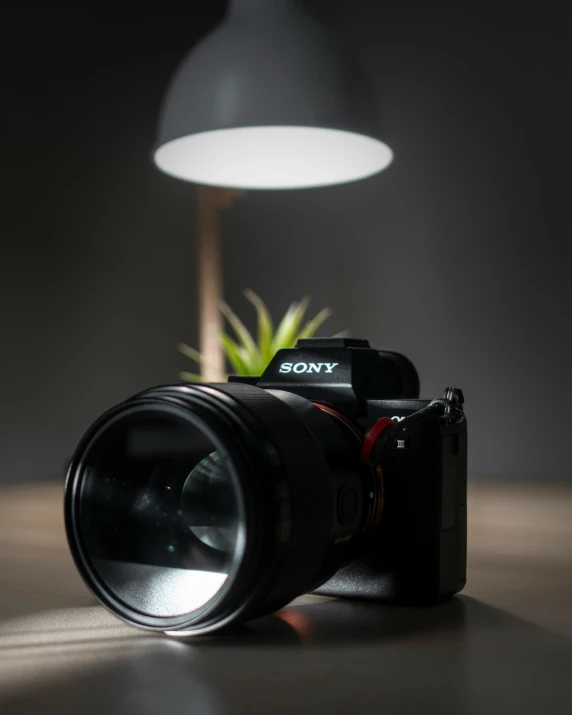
[[160, 513], [209, 504], [191, 507]]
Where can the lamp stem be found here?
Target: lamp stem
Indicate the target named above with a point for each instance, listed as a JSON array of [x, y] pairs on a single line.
[[210, 201]]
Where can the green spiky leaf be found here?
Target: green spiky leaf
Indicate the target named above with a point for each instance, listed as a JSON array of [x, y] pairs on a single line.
[[265, 326], [248, 347], [285, 336], [236, 356], [247, 356], [190, 377], [191, 353], [312, 326]]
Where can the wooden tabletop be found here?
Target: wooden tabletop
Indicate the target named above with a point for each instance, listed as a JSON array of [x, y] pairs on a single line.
[[504, 646]]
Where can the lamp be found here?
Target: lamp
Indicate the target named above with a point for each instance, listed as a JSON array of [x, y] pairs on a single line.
[[266, 101]]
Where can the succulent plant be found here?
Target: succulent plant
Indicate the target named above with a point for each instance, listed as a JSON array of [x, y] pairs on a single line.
[[249, 355]]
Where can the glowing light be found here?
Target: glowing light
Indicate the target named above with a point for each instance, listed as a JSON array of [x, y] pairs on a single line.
[[277, 157]]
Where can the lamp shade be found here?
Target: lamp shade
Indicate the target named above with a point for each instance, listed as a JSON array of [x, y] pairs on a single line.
[[268, 100]]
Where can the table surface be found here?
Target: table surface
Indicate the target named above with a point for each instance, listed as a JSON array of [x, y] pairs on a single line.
[[503, 646]]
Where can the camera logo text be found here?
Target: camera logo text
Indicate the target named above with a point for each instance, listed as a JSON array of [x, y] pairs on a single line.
[[300, 367]]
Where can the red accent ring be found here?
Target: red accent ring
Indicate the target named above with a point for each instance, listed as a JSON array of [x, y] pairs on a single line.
[[355, 428], [373, 435]]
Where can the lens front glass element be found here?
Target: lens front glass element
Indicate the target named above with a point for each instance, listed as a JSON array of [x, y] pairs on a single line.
[[160, 513]]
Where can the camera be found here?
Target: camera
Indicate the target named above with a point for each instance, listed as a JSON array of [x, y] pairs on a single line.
[[192, 507]]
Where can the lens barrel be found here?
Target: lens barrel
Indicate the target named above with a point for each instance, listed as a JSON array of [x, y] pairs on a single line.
[[192, 507]]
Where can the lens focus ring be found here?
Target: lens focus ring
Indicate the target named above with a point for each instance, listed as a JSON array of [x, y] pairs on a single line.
[[310, 493]]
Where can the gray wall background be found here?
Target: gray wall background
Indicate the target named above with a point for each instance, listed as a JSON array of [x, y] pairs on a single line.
[[458, 255]]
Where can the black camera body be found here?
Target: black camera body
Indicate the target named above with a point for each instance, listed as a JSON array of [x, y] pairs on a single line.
[[192, 507], [418, 552]]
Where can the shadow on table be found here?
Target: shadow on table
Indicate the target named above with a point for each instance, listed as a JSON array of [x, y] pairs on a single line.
[[336, 656], [332, 621]]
